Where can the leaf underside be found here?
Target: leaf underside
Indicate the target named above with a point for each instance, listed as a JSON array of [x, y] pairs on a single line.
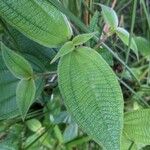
[[93, 96]]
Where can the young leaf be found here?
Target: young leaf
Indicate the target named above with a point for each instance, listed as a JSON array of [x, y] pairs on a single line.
[[18, 66], [34, 125], [137, 126], [66, 48], [38, 20], [110, 16], [92, 95], [82, 38], [25, 94], [124, 36], [143, 46]]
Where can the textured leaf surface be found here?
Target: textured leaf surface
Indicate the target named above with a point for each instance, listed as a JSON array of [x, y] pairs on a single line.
[[127, 144], [124, 36], [38, 56], [82, 38], [25, 94], [8, 83], [66, 48], [137, 126], [38, 20], [93, 96], [16, 63], [110, 16]]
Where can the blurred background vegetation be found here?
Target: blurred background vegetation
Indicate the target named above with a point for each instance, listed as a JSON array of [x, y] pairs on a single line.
[[48, 126]]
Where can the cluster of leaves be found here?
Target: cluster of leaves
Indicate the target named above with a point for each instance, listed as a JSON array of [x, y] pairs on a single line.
[[31, 104]]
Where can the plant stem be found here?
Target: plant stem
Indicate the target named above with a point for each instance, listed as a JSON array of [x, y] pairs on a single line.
[[146, 13], [78, 141], [131, 31]]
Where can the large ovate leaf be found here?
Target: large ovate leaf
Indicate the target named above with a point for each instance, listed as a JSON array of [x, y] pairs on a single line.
[[25, 94], [92, 95], [124, 36], [38, 20], [137, 126], [19, 67], [110, 16]]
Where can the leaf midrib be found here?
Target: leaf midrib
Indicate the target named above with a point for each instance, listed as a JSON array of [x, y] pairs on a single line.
[[93, 89]]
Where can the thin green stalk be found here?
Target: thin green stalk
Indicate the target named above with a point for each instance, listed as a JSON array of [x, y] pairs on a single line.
[[131, 31], [121, 61], [130, 148], [78, 141], [146, 13], [142, 101], [123, 5], [42, 134]]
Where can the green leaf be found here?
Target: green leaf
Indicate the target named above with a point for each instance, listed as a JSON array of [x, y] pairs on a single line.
[[34, 125], [18, 66], [38, 55], [92, 95], [143, 46], [82, 38], [8, 83], [66, 48], [127, 144], [58, 134], [25, 94], [38, 20], [124, 36], [110, 16], [137, 126], [70, 132]]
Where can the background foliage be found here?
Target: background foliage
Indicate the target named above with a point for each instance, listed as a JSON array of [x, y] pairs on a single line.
[[47, 124]]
